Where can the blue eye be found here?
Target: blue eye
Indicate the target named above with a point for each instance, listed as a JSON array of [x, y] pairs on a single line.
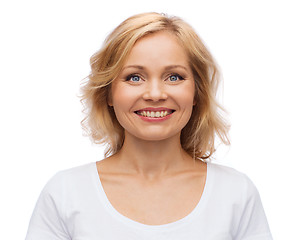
[[175, 77], [133, 78]]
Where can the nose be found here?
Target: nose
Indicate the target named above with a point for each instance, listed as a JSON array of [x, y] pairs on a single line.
[[155, 91]]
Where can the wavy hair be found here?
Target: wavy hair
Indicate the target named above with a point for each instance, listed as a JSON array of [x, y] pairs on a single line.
[[206, 122]]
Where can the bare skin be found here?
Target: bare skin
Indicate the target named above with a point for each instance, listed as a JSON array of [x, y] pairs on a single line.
[[162, 190]]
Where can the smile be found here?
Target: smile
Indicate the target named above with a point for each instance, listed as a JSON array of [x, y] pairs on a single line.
[[154, 114]]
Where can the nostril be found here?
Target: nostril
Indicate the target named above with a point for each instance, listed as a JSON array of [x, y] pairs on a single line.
[[155, 92], [155, 96]]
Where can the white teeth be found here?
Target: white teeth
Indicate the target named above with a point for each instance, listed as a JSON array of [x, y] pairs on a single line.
[[153, 114]]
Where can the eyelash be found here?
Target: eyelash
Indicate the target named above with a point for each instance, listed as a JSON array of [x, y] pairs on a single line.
[[129, 77], [177, 75]]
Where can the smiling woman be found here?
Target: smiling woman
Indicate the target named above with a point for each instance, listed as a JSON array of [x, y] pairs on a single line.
[[151, 98], [150, 89], [110, 62]]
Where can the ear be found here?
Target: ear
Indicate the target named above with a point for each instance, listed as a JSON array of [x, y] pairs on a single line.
[[195, 100], [109, 98], [109, 95], [109, 101]]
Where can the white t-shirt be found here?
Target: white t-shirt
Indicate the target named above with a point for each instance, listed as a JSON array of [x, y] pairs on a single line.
[[73, 205]]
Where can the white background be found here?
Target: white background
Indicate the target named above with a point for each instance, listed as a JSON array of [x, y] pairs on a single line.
[[261, 47]]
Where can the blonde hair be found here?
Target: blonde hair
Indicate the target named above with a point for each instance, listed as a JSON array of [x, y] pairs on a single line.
[[206, 122]]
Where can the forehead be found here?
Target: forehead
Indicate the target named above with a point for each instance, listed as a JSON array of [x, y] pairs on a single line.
[[161, 48]]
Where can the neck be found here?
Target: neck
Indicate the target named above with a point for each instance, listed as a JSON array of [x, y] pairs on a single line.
[[152, 159]]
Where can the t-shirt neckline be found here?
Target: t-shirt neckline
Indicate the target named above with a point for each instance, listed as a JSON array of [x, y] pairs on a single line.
[[141, 226]]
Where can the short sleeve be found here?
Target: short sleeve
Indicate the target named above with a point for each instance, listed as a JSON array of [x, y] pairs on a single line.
[[46, 221], [253, 224]]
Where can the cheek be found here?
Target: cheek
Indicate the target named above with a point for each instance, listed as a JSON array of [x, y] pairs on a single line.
[[186, 95], [188, 101], [122, 98], [117, 94]]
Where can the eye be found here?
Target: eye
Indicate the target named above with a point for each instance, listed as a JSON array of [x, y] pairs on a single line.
[[133, 78], [175, 77]]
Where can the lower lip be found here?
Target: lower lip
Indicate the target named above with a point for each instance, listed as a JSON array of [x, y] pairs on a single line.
[[155, 119]]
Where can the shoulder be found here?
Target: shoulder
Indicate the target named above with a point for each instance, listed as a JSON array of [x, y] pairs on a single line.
[[74, 172], [231, 181], [225, 173], [225, 170], [70, 179]]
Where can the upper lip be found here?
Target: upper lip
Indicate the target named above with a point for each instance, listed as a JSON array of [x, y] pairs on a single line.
[[159, 109]]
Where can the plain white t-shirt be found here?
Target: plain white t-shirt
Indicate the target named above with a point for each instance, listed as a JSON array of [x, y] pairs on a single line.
[[73, 205]]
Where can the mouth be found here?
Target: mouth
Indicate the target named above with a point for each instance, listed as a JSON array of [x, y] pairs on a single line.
[[160, 113]]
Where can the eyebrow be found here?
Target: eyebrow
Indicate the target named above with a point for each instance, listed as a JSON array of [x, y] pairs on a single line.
[[175, 66], [166, 68], [134, 66]]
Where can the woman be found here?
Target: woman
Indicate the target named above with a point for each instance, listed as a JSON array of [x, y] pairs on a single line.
[[150, 98]]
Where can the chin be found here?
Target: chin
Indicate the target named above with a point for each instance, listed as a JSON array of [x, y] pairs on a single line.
[[153, 139], [156, 136]]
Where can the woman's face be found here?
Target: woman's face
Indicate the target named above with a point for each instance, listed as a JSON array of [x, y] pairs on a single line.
[[153, 96]]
